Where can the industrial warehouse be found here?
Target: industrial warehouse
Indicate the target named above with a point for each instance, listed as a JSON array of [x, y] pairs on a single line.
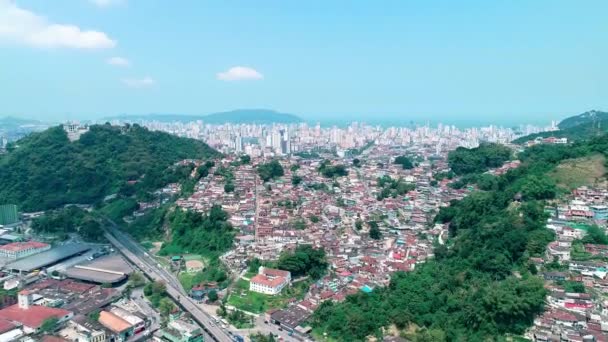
[[110, 269], [47, 258]]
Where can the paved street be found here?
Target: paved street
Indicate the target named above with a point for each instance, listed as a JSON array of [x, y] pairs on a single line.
[[137, 295], [132, 251]]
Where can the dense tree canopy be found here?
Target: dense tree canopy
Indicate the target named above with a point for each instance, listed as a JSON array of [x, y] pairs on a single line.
[[330, 171], [245, 159], [69, 220], [474, 160], [374, 232], [304, 261], [405, 162], [296, 180], [270, 170], [390, 187], [595, 235], [46, 170], [206, 234]]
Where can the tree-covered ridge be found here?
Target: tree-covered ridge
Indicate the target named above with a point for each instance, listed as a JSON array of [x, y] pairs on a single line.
[[480, 286], [194, 233], [46, 170], [583, 119], [480, 159], [578, 127], [580, 132]]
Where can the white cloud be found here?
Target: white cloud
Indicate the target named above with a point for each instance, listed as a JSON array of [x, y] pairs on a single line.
[[24, 27], [145, 82], [239, 73], [118, 61], [106, 3]]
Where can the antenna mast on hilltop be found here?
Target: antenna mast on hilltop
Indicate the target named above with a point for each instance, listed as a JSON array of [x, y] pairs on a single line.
[[596, 124]]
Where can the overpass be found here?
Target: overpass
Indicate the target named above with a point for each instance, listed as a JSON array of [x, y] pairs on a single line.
[[133, 252]]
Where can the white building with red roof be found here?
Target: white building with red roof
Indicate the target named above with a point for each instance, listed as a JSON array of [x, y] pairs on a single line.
[[269, 281], [30, 316], [17, 250]]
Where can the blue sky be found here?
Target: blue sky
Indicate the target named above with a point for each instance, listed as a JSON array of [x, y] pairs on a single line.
[[504, 61]]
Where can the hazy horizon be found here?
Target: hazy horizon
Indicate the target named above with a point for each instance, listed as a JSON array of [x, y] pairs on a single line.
[[325, 119]]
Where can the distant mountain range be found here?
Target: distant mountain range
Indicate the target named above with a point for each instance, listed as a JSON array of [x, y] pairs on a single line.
[[258, 116], [14, 128], [576, 127], [12, 123]]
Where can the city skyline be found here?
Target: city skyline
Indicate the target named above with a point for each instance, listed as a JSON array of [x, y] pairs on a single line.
[[320, 60], [343, 121]]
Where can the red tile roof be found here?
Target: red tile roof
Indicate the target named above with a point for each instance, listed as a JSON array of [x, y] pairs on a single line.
[[19, 246], [113, 322], [6, 326], [264, 280], [33, 316], [275, 273]]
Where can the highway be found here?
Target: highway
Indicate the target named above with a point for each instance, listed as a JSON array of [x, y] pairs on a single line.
[[132, 251]]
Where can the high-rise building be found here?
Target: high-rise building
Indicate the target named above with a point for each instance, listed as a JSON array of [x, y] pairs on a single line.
[[238, 144]]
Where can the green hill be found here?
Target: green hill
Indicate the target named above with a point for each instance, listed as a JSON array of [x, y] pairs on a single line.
[[587, 118], [574, 128], [239, 116], [45, 170]]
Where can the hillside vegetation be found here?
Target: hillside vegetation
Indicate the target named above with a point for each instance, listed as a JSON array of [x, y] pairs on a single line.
[[480, 286], [187, 232], [572, 173], [205, 234], [46, 170], [583, 119], [579, 127], [479, 159]]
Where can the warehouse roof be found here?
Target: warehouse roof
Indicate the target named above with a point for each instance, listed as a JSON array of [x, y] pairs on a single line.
[[107, 269], [47, 258]]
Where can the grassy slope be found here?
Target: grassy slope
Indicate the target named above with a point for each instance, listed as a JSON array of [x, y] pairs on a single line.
[[572, 173]]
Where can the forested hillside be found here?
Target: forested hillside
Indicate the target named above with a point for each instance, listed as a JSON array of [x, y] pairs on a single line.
[[479, 159], [187, 232], [480, 286], [576, 127], [583, 119], [45, 170]]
